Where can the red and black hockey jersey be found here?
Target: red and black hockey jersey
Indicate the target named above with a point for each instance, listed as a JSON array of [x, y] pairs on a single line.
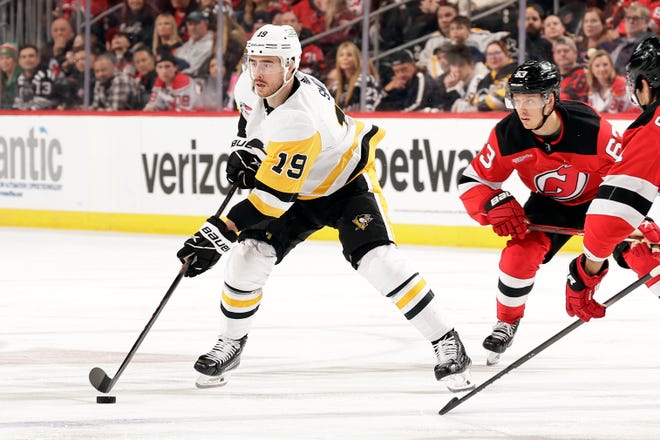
[[568, 169], [627, 193]]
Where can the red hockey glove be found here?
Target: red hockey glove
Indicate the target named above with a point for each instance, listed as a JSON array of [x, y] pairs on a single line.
[[580, 288], [506, 215], [642, 261], [650, 230]]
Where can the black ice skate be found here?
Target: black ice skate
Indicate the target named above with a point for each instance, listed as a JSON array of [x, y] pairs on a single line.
[[453, 363], [217, 363], [499, 340]]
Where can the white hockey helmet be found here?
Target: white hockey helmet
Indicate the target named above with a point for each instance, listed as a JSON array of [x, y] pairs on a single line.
[[279, 41]]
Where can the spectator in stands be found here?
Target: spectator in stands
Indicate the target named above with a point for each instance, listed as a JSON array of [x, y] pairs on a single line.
[[137, 21], [336, 14], [458, 87], [36, 84], [114, 90], [348, 86], [233, 46], [616, 17], [254, 11], [75, 81], [119, 46], [537, 48], [491, 90], [595, 33], [54, 54], [165, 34], [573, 86], [424, 22], [444, 16], [260, 19], [208, 99], [459, 33], [636, 19], [200, 43], [174, 91], [553, 28], [180, 10], [9, 73], [312, 60], [437, 65], [607, 90], [145, 67], [409, 89]]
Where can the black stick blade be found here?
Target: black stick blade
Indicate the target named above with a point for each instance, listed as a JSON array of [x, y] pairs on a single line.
[[99, 379], [449, 406]]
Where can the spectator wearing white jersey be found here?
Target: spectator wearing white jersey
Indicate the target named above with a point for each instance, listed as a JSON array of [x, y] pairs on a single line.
[[173, 91]]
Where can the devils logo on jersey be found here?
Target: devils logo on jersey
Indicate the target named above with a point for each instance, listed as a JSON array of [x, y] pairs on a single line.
[[564, 183]]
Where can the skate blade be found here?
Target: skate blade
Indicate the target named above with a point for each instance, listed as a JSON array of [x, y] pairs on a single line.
[[492, 358], [459, 382], [204, 381]]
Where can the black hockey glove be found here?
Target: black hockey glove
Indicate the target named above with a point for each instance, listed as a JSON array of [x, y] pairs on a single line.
[[244, 161], [205, 248]]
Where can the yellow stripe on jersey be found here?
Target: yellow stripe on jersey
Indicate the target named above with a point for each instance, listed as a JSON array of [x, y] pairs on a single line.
[[411, 294], [239, 302], [343, 162], [263, 207], [287, 163]]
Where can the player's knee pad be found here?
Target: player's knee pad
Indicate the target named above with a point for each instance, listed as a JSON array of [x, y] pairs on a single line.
[[386, 268], [522, 258], [249, 265]]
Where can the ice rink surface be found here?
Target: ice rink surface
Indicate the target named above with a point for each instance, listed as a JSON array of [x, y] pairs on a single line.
[[328, 357]]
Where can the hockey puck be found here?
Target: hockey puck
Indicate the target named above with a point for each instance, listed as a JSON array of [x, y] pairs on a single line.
[[106, 399]]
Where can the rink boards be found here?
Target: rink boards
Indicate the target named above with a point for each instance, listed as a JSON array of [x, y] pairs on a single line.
[[165, 173]]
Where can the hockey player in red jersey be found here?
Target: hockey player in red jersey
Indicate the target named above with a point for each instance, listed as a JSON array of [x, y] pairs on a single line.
[[307, 165], [561, 151], [625, 196]]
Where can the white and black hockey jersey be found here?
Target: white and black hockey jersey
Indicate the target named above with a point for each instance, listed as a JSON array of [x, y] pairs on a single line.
[[312, 148]]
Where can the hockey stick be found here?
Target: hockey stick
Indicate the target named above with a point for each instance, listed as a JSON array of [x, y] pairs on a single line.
[[453, 403], [569, 231], [97, 377]]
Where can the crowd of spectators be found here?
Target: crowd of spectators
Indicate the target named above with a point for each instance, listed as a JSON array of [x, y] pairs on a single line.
[[160, 55]]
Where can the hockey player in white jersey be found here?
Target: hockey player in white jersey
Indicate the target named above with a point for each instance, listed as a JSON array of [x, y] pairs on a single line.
[[308, 165]]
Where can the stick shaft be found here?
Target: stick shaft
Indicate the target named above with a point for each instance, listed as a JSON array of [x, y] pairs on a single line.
[[547, 343]]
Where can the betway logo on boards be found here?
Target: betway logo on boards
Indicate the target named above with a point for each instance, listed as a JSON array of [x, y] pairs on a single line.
[[418, 167]]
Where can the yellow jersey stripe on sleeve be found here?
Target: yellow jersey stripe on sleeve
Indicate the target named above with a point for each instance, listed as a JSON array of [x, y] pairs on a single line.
[[343, 162], [267, 204]]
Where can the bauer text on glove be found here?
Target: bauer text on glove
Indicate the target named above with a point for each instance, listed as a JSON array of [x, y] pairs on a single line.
[[506, 215], [205, 248]]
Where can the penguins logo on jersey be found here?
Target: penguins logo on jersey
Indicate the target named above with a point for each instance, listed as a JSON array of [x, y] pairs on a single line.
[[362, 221], [562, 184]]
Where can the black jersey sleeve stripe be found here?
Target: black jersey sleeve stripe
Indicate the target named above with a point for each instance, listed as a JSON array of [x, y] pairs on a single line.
[[244, 214], [625, 196], [364, 154], [242, 124]]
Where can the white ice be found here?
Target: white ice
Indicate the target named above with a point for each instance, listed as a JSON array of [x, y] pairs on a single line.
[[328, 357]]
